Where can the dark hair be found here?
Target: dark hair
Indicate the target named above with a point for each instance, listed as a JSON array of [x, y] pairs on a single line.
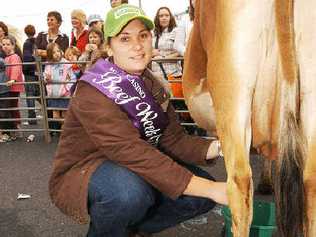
[[4, 27], [13, 41], [29, 30], [172, 24], [98, 32], [50, 49], [191, 11], [55, 14]]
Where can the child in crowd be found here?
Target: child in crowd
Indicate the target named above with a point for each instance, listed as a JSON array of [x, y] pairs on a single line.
[[57, 76], [94, 49], [72, 54], [15, 75]]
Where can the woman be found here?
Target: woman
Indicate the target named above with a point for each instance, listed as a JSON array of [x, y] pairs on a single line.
[[163, 42], [122, 157], [53, 35], [79, 34]]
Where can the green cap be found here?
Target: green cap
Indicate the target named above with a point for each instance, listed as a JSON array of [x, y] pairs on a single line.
[[118, 17]]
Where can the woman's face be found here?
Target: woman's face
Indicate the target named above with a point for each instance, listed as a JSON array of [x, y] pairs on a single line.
[[7, 46], [57, 54], [52, 23], [76, 23], [94, 38], [132, 48], [164, 18]]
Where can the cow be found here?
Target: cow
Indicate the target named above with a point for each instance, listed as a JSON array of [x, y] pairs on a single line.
[[250, 73]]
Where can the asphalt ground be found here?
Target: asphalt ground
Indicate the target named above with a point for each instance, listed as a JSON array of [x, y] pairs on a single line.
[[25, 168]]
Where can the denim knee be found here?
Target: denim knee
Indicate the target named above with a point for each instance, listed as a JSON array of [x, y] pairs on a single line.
[[118, 198]]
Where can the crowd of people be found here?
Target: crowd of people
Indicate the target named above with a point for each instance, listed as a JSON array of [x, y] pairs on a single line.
[[86, 43]]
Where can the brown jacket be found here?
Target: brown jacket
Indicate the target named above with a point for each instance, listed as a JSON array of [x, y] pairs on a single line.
[[96, 129]]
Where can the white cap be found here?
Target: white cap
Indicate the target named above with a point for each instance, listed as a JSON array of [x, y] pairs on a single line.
[[93, 18]]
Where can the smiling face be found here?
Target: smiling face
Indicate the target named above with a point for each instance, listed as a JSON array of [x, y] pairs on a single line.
[[76, 23], [164, 18], [52, 23], [132, 48], [57, 54]]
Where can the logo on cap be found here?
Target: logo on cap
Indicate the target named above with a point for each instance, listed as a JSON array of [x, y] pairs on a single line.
[[125, 11]]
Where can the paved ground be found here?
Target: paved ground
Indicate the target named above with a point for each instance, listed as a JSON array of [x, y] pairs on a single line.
[[25, 168]]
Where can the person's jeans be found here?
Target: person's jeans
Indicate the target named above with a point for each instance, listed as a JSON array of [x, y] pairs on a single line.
[[31, 90], [120, 201]]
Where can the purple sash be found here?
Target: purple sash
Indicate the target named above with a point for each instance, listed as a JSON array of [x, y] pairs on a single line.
[[130, 93]]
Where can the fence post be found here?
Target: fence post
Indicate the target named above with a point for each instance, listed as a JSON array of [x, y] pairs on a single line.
[[43, 99]]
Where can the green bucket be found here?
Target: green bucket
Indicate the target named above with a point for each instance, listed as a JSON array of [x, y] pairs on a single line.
[[263, 223]]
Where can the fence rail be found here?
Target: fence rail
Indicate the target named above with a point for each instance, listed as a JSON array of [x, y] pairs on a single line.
[[44, 119]]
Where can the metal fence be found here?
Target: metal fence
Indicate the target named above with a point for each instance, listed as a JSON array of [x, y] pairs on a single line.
[[43, 109]]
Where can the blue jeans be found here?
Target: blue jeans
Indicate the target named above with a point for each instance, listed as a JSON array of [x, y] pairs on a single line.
[[120, 201], [31, 90]]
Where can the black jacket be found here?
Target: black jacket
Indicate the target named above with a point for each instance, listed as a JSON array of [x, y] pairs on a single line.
[[28, 49]]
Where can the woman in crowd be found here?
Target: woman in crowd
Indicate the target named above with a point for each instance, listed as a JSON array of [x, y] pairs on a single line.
[[29, 71], [53, 35], [79, 34], [94, 48], [163, 42], [15, 75], [3, 32], [122, 157], [55, 76]]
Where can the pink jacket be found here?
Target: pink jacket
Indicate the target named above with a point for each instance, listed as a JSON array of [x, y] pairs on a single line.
[[14, 72]]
